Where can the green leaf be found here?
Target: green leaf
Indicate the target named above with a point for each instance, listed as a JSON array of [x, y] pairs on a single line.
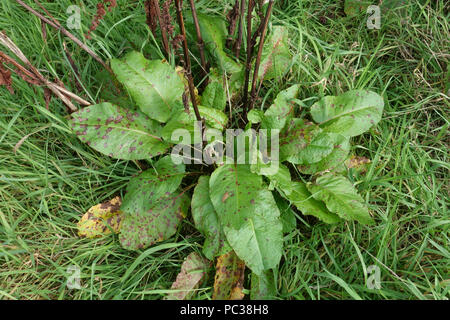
[[193, 272], [118, 132], [349, 114], [229, 278], [249, 216], [214, 33], [154, 85], [304, 143], [282, 110], [214, 118], [303, 200], [153, 205], [214, 95], [286, 213], [255, 116], [111, 90], [207, 222], [334, 161], [341, 198], [263, 286], [275, 58]]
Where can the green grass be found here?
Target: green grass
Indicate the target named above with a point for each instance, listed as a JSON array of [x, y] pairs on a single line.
[[53, 178]]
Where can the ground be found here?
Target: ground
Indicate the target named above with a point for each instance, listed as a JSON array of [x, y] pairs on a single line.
[[51, 179]]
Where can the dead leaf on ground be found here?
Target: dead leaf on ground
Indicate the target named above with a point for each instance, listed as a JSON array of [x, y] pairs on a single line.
[[229, 279], [193, 272], [101, 219]]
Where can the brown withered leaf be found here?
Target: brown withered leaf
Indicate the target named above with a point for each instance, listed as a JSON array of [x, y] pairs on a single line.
[[193, 272], [229, 279], [101, 218], [5, 78]]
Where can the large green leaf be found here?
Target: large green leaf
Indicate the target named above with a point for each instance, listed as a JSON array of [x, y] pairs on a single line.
[[249, 216], [335, 160], [349, 114], [154, 84], [275, 58], [304, 143], [340, 197], [282, 110], [214, 33], [118, 132], [303, 200], [207, 222], [153, 205]]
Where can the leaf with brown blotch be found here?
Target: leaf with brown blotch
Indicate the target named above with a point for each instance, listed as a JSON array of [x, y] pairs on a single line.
[[5, 78], [229, 279], [101, 219], [193, 272], [359, 164]]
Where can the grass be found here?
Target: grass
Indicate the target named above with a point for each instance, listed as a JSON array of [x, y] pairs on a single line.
[[53, 178]]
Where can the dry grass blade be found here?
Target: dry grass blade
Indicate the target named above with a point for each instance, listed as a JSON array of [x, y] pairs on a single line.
[[33, 76]]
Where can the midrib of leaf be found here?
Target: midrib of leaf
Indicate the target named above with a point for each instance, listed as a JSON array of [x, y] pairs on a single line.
[[347, 113], [125, 128], [151, 84]]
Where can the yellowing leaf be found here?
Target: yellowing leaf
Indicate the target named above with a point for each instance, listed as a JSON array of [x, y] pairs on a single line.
[[359, 164], [193, 271], [229, 279], [101, 219], [182, 74]]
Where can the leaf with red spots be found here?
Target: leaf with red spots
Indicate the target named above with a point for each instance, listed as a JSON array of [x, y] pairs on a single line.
[[304, 143], [100, 219], [276, 57], [207, 222], [118, 132], [192, 274], [153, 84], [249, 216], [350, 114], [263, 287], [229, 279], [332, 162], [340, 197], [153, 205]]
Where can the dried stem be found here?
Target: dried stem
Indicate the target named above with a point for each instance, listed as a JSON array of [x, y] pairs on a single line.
[[248, 64], [34, 76], [258, 57], [200, 44], [241, 27], [187, 60], [59, 27]]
